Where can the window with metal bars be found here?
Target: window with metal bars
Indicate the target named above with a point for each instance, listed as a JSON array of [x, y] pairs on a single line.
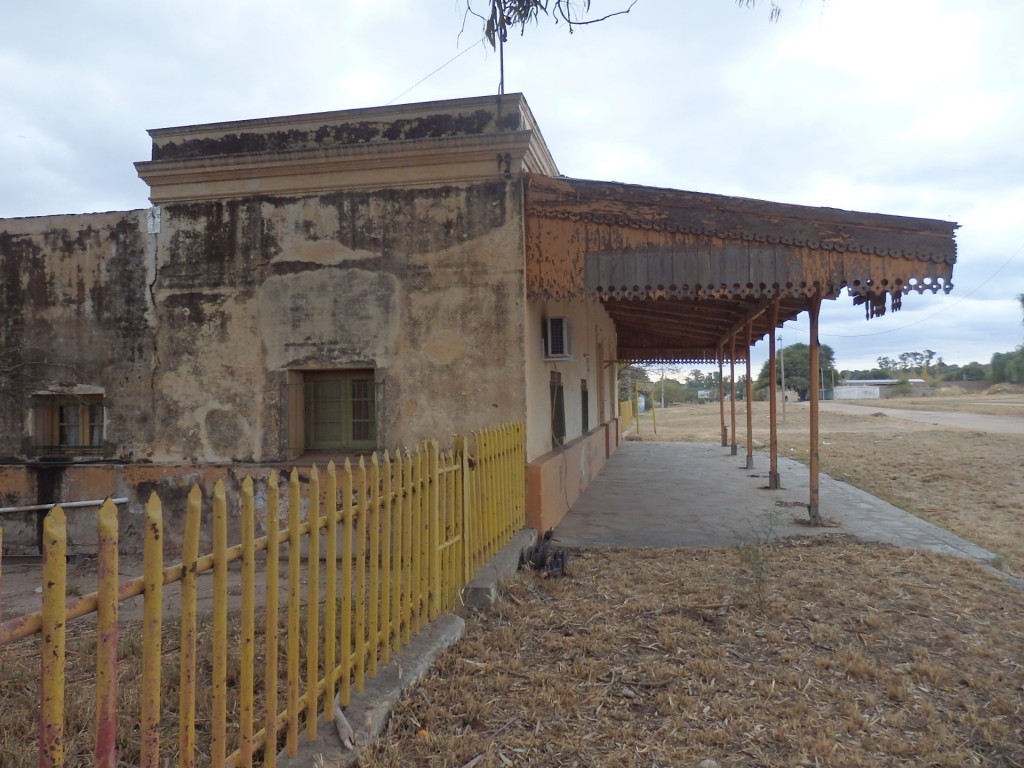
[[557, 410], [584, 407], [339, 410], [67, 422]]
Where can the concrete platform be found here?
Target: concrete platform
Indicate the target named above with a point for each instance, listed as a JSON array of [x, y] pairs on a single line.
[[661, 494]]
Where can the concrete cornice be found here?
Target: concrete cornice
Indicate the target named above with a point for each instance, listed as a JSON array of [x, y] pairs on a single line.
[[423, 162], [435, 143], [314, 120]]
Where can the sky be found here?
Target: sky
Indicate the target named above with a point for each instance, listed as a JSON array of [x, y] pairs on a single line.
[[913, 108]]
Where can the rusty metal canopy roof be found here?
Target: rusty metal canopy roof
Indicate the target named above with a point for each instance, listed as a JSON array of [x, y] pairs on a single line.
[[681, 272]]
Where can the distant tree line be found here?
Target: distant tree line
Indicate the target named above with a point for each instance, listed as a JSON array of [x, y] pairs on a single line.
[[1004, 367], [696, 387], [926, 364], [1008, 367]]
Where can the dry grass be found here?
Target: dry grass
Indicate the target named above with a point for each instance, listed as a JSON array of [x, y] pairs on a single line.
[[860, 655], [818, 652], [19, 693]]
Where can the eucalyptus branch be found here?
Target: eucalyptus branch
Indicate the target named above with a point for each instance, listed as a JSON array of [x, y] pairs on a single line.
[[561, 9], [502, 14]]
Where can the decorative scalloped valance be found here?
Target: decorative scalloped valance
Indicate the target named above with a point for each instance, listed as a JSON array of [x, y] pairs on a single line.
[[627, 242]]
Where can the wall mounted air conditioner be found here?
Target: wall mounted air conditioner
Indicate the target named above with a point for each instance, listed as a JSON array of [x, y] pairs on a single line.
[[557, 339]]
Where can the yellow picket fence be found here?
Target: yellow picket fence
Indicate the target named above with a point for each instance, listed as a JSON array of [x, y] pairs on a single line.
[[625, 415], [400, 536]]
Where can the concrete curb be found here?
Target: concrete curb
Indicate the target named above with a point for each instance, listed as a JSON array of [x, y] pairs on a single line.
[[368, 710], [482, 591]]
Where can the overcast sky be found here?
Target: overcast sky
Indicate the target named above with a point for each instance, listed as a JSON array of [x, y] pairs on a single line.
[[909, 107]]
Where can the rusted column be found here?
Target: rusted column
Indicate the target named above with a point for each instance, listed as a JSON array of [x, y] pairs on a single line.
[[721, 396], [812, 507], [750, 402], [732, 392], [773, 400]]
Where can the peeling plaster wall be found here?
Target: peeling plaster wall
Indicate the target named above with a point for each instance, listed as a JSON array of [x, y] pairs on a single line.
[[191, 332], [75, 295], [424, 286]]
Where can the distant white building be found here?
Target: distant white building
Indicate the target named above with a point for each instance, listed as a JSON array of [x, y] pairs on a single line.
[[878, 389]]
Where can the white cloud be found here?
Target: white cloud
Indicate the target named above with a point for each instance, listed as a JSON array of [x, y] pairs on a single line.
[[909, 107]]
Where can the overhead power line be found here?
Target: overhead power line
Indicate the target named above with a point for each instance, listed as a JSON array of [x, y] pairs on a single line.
[[423, 80]]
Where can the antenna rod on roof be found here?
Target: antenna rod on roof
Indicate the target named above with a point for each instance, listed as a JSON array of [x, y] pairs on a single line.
[[501, 60]]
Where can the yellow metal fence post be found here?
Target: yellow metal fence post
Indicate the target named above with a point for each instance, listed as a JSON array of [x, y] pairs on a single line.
[[464, 505], [434, 530], [408, 547], [219, 689], [51, 705], [387, 545], [416, 494], [247, 652], [397, 559], [374, 564], [346, 583], [331, 596], [294, 564], [313, 604], [272, 586], [106, 645], [187, 674], [360, 602], [521, 475], [152, 627]]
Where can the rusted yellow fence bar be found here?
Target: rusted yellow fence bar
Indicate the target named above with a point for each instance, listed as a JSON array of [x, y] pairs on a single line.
[[270, 639], [152, 632], [625, 415], [106, 638], [51, 706], [247, 652], [294, 575], [330, 633], [189, 594], [313, 602], [218, 716], [414, 526]]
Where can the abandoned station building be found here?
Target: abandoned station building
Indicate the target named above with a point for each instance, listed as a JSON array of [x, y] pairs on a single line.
[[328, 284]]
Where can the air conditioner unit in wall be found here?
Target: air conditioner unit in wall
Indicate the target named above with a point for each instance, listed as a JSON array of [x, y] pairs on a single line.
[[557, 339]]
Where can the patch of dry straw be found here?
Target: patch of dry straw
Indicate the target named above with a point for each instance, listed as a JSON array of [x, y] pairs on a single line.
[[811, 652]]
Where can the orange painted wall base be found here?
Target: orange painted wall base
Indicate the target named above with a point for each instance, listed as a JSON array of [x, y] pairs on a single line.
[[555, 480]]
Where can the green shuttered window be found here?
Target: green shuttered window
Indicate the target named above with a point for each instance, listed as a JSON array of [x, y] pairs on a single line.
[[340, 410]]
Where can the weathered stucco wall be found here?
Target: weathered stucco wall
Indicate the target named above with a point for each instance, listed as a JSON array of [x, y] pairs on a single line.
[[75, 297], [389, 239], [191, 332], [423, 286], [594, 346]]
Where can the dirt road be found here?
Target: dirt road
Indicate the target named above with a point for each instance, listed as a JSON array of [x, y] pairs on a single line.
[[1010, 424]]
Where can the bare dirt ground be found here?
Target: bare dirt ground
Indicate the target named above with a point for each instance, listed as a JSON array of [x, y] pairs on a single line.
[[824, 652]]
